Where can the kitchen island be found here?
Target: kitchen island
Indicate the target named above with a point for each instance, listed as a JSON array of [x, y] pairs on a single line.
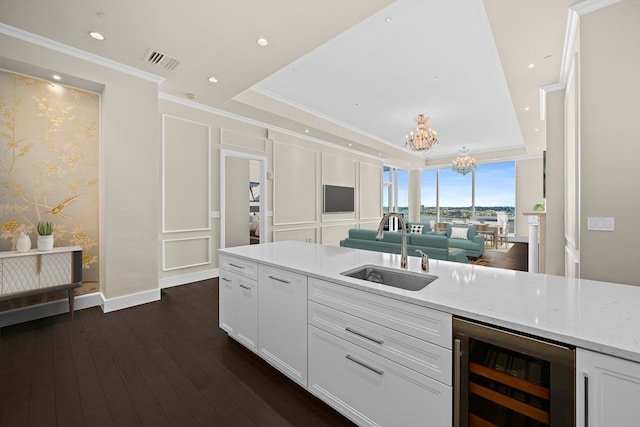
[[603, 318]]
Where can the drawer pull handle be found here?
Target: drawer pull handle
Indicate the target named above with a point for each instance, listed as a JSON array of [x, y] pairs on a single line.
[[226, 280], [364, 365], [279, 280], [586, 399], [236, 266], [245, 287], [365, 336]]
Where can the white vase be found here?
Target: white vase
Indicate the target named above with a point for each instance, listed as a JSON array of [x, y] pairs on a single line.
[[23, 244], [45, 243]]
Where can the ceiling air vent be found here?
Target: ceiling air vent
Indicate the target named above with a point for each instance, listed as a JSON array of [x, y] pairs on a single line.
[[160, 59]]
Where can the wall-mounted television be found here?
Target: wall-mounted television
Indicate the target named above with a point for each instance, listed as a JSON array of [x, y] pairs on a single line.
[[338, 199]]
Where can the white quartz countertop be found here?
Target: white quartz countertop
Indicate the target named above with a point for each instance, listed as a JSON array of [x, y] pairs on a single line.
[[598, 316]]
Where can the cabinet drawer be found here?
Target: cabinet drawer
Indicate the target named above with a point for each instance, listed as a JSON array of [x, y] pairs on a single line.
[[372, 390], [420, 322], [239, 266], [421, 356]]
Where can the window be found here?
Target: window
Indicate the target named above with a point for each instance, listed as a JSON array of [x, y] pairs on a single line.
[[446, 195], [495, 191], [428, 195], [403, 193], [455, 195]]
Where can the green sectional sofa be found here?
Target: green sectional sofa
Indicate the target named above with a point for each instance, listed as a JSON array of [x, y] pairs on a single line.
[[434, 245], [470, 241]]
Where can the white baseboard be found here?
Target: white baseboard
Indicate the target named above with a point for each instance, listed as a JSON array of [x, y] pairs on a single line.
[[183, 279], [126, 301], [50, 308], [97, 299]]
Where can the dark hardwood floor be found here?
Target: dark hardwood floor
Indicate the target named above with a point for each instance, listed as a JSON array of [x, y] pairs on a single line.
[[160, 364], [515, 259]]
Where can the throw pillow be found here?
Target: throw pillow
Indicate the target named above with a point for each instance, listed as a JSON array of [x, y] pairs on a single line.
[[416, 229], [459, 233]]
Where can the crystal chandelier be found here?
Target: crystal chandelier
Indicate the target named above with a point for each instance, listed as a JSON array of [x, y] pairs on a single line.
[[424, 138], [463, 163]]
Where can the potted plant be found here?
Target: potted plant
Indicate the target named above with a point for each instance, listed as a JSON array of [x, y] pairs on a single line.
[[45, 235]]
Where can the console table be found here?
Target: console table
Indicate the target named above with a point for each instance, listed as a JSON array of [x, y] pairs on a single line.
[[37, 272]]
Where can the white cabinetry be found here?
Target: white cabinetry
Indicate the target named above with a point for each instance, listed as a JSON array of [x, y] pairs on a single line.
[[607, 390], [239, 300], [282, 309], [380, 362]]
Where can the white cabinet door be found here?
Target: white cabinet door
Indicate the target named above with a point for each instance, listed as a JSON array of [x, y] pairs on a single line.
[[607, 391], [372, 390], [238, 313], [282, 312], [246, 330], [56, 269], [20, 274], [226, 302]]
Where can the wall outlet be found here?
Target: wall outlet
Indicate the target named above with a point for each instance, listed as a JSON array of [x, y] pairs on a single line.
[[601, 223]]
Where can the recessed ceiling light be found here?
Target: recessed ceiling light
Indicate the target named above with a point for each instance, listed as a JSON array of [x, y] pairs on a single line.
[[213, 79], [56, 77], [536, 130], [531, 65], [262, 41], [388, 19], [526, 108], [96, 35], [306, 131]]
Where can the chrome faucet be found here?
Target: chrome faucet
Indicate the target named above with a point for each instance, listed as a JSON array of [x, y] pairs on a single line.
[[403, 251], [425, 260]]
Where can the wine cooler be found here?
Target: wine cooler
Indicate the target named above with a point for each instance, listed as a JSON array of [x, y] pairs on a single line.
[[502, 378]]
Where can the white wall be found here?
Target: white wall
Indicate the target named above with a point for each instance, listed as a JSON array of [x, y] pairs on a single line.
[[555, 183], [528, 191], [610, 138]]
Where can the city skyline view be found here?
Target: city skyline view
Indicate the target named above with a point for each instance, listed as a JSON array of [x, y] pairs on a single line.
[[494, 182]]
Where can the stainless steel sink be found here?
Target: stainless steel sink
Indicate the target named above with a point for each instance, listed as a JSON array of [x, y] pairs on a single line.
[[402, 279]]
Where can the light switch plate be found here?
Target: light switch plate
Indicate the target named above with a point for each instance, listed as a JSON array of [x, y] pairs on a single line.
[[601, 223]]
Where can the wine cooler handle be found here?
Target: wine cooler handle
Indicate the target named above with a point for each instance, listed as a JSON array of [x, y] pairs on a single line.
[[457, 355], [586, 399]]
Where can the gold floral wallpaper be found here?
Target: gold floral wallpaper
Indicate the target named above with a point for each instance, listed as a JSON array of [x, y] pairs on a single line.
[[49, 153]]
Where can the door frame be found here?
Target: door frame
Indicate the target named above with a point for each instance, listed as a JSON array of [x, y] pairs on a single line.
[[224, 154]]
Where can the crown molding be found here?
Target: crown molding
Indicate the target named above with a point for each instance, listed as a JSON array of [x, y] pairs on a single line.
[[573, 19], [321, 116], [35, 39], [178, 100]]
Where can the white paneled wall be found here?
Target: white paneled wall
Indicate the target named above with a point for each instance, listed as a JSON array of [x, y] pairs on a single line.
[[186, 193], [370, 193], [295, 185]]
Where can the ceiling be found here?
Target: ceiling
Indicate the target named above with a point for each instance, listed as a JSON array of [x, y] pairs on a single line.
[[353, 72]]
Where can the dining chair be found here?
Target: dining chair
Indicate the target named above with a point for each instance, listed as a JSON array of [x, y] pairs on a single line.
[[486, 232], [503, 233], [441, 226]]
